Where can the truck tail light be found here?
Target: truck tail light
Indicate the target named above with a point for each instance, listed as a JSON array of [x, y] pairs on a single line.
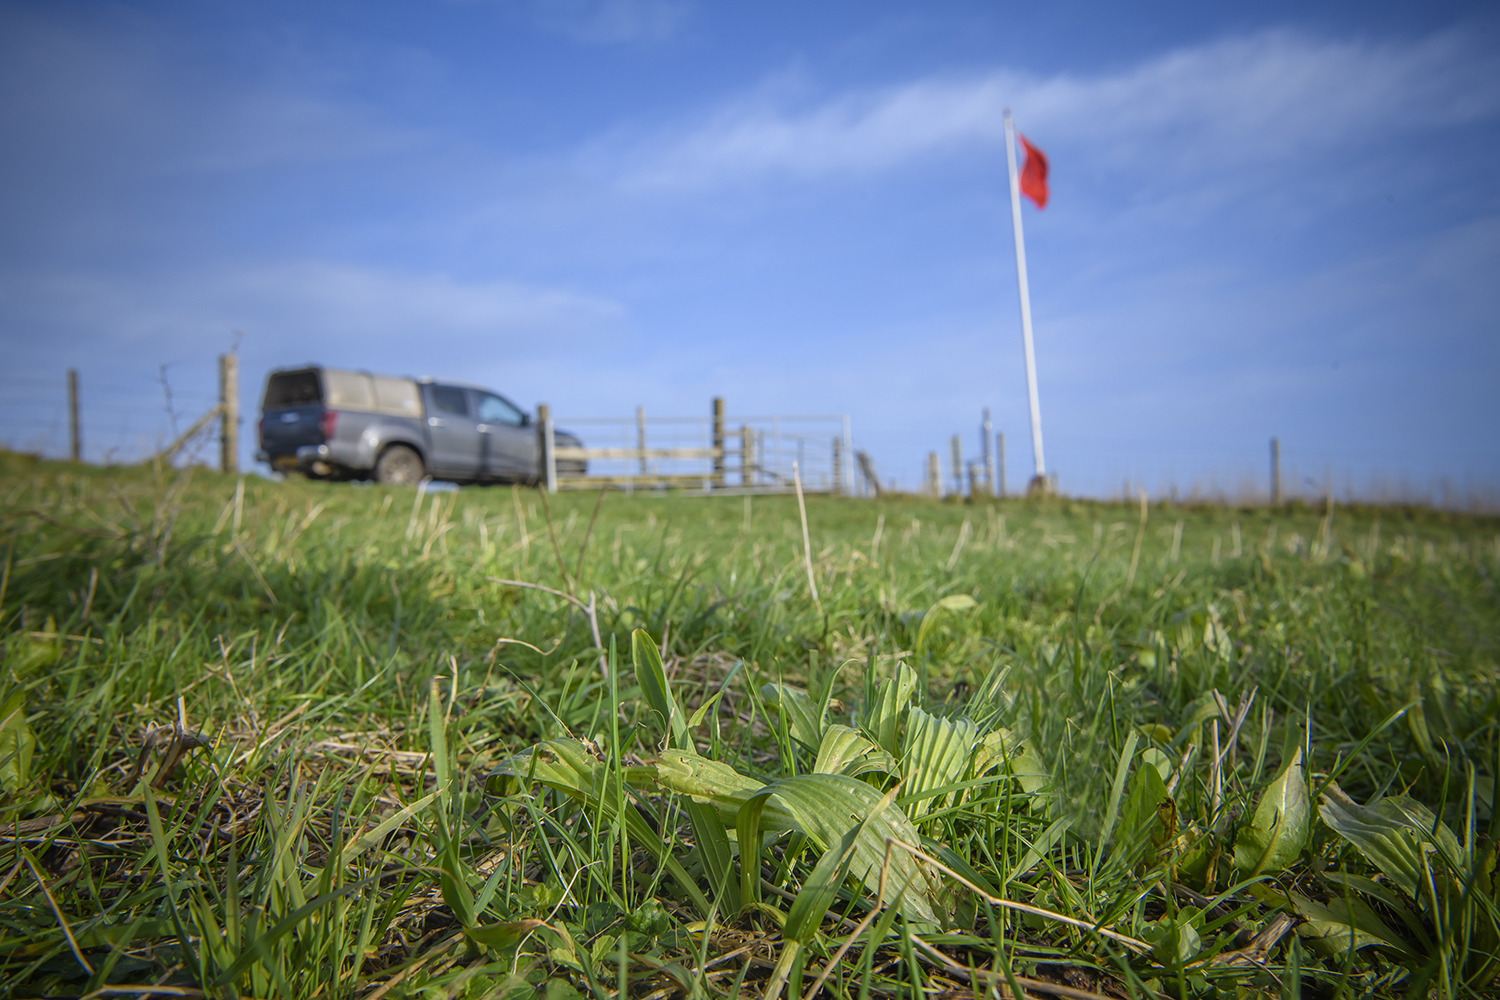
[[260, 433], [328, 420]]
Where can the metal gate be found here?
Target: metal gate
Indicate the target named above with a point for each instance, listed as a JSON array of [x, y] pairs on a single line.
[[719, 452]]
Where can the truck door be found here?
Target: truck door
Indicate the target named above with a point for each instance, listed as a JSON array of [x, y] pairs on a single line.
[[509, 443], [453, 431]]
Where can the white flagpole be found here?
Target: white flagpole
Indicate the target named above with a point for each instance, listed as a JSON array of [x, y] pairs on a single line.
[[1015, 216]]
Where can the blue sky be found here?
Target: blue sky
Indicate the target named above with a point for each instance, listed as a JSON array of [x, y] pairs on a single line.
[[1271, 219]]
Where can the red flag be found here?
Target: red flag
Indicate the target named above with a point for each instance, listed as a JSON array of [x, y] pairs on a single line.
[[1034, 174]]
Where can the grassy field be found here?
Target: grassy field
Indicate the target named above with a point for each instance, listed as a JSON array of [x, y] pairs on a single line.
[[302, 739]]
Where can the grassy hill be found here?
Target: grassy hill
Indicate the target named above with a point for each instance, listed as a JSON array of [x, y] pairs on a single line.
[[303, 739]]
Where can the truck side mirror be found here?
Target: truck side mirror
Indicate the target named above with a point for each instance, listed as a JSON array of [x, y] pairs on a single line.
[[525, 420]]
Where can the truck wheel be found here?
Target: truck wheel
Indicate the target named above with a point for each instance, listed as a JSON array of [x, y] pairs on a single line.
[[399, 466]]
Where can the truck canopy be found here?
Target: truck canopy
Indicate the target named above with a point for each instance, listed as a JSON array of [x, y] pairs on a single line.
[[343, 390]]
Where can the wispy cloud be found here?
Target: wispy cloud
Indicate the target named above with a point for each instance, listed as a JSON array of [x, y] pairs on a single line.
[[288, 304], [120, 330], [608, 22], [1269, 96], [584, 353], [113, 93]]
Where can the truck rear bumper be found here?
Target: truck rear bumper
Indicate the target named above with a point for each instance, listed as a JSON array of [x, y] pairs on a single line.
[[327, 459], [314, 458]]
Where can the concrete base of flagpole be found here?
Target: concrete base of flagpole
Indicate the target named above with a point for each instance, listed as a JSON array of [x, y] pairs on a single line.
[[1040, 488]]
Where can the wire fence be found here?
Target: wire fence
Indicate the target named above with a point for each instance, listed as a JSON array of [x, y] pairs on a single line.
[[124, 418], [721, 452], [129, 416], [1240, 472]]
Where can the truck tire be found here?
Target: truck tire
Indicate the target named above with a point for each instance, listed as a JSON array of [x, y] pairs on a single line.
[[399, 466]]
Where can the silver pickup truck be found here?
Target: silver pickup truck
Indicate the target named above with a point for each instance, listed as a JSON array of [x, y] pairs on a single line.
[[332, 424]]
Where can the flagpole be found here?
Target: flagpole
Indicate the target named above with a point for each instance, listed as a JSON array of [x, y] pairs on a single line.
[[1015, 217]]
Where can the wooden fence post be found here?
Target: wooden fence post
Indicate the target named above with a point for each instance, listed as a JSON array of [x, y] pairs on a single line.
[[718, 480], [1000, 464], [75, 432], [640, 437], [838, 465], [546, 441], [985, 429], [958, 465], [851, 483], [1275, 472], [934, 476], [867, 469], [229, 413]]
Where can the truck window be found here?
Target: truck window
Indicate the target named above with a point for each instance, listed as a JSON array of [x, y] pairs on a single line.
[[293, 389], [347, 390], [494, 410], [450, 399], [396, 396]]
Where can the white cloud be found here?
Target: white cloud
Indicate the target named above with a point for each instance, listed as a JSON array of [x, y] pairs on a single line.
[[1270, 96]]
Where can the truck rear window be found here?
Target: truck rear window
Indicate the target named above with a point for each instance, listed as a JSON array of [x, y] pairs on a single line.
[[293, 389]]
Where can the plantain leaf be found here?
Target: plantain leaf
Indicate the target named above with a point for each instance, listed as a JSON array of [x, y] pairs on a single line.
[[562, 764], [954, 603], [1339, 925], [845, 751], [1028, 770], [826, 807], [1164, 765], [957, 602], [1416, 720], [804, 721], [1039, 848], [370, 838], [703, 709], [1122, 770], [652, 678], [937, 753], [819, 890], [1202, 709], [888, 709], [1342, 882], [1393, 833], [822, 806], [708, 832], [707, 781], [994, 749], [717, 855], [821, 886], [566, 766], [716, 793], [748, 832], [1279, 829], [1174, 942], [16, 745], [1141, 824], [502, 937], [437, 737], [455, 885]]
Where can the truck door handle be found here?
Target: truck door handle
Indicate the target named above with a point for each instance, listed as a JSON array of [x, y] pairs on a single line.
[[483, 428], [436, 422]]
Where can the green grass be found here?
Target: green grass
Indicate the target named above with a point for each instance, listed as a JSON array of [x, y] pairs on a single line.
[[291, 739]]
